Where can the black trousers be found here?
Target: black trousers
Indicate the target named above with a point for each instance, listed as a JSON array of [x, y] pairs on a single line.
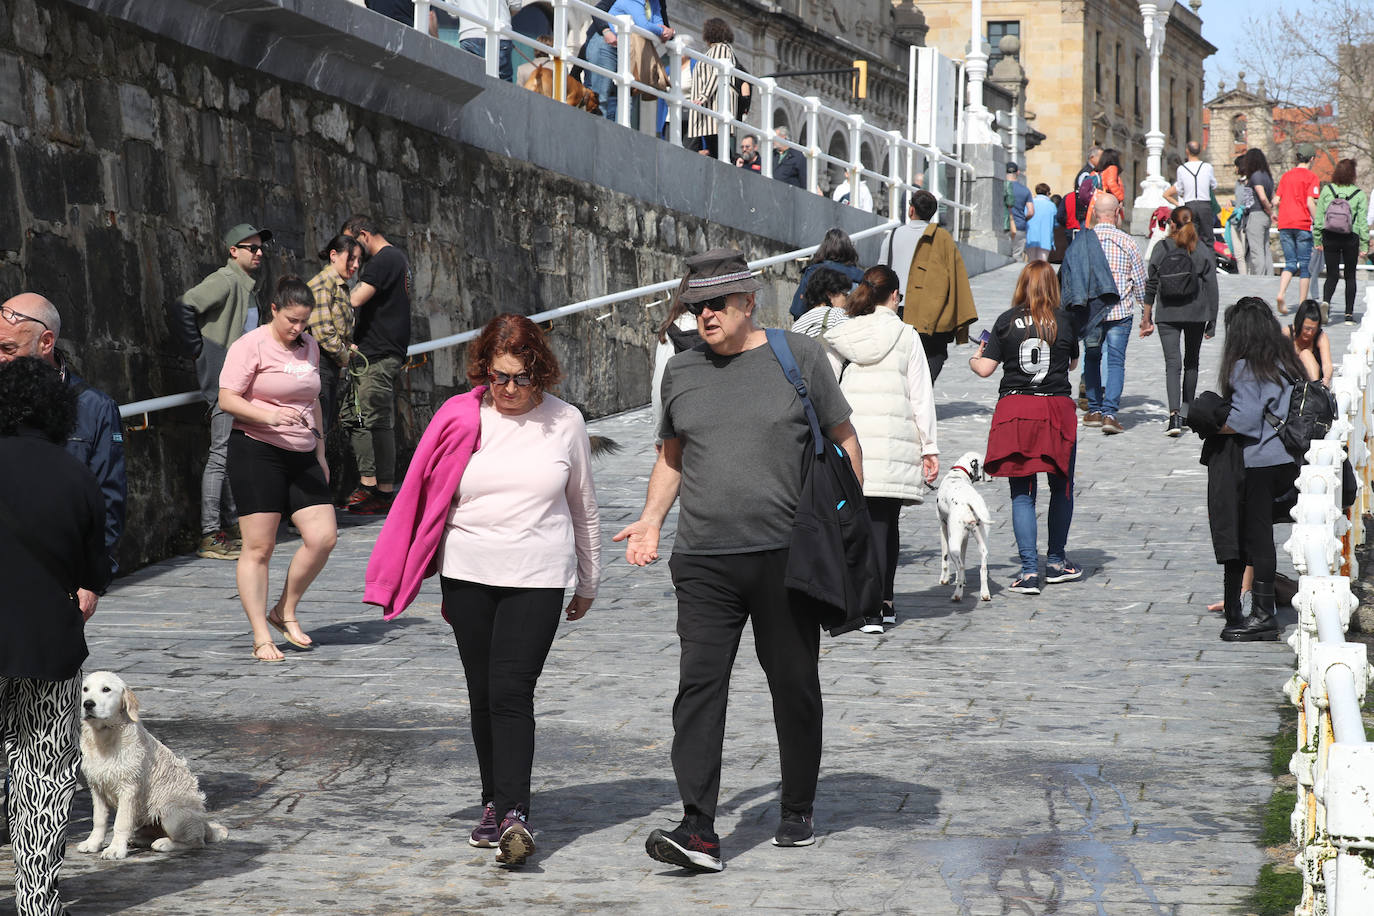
[[715, 596], [1204, 220], [330, 385], [1262, 487], [1190, 333], [883, 511], [503, 636], [1342, 251], [936, 347]]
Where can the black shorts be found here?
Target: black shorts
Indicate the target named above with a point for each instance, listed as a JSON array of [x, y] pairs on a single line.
[[265, 478]]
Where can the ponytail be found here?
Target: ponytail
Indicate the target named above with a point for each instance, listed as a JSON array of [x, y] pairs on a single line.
[[877, 286]]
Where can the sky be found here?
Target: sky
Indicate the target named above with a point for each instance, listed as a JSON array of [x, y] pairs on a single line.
[[1223, 24]]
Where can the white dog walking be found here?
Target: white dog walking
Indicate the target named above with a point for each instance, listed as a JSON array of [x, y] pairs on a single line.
[[962, 510], [151, 790]]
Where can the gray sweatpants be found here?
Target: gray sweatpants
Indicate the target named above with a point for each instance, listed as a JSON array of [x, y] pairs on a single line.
[[1259, 260], [217, 510]]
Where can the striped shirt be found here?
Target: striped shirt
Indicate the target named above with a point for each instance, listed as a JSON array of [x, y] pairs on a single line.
[[331, 320], [818, 320], [1128, 269]]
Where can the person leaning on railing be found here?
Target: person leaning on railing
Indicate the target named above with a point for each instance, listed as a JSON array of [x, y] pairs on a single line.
[[703, 131], [602, 44]]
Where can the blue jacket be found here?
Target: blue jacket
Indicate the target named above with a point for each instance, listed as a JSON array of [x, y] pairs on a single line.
[[855, 274], [1250, 398], [98, 443], [1087, 289]]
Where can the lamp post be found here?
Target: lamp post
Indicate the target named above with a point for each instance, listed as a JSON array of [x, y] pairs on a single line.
[[1155, 17], [977, 118]]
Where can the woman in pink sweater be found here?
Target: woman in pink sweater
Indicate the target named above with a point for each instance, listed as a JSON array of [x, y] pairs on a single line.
[[521, 528]]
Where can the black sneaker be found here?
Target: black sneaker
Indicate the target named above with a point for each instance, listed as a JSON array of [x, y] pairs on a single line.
[[1068, 571], [795, 830], [1175, 427], [1026, 585], [689, 846]]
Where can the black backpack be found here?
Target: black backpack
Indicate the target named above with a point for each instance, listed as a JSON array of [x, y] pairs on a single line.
[[1178, 278], [832, 561], [1311, 412]]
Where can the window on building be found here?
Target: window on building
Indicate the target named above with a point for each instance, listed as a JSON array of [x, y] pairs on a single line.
[[1097, 65], [1116, 73], [1188, 117], [1173, 123], [995, 32], [1135, 85]]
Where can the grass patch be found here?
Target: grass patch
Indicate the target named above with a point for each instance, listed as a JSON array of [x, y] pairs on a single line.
[[1278, 892], [1285, 745], [1276, 830]]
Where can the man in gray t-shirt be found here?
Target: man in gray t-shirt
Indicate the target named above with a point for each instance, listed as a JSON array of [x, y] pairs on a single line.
[[734, 438]]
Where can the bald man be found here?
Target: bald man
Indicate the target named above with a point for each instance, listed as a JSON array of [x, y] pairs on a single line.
[[1112, 335], [30, 326]]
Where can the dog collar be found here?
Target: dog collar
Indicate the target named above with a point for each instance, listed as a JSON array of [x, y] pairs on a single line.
[[960, 467]]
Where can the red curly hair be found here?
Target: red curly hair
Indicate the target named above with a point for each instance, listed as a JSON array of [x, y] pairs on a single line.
[[521, 338]]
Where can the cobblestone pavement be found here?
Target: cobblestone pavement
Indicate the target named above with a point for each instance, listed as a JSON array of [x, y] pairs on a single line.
[[1093, 750]]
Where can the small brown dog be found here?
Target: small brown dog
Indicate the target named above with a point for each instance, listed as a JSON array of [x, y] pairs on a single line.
[[579, 96]]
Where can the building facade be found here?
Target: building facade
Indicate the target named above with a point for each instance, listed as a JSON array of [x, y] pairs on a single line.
[[1089, 77]]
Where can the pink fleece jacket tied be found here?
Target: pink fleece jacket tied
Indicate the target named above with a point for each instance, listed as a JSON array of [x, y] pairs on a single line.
[[407, 550]]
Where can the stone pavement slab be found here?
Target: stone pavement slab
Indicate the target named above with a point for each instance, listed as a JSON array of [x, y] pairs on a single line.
[[1092, 750]]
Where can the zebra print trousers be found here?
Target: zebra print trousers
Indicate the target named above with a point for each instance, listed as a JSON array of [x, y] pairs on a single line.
[[38, 720]]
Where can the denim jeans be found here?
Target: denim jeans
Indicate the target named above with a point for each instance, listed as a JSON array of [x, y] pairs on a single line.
[[216, 502], [603, 55], [1297, 251], [478, 46], [1107, 400], [1023, 523]]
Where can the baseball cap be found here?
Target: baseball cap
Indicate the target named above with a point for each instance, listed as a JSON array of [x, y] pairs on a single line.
[[242, 231], [1012, 167]]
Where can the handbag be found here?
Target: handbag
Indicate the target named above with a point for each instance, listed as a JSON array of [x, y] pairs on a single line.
[[832, 559], [646, 67]]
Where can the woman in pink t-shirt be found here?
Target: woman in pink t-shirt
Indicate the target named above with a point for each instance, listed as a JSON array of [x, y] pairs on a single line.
[[270, 384]]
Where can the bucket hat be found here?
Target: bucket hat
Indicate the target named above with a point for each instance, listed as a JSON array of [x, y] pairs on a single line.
[[715, 273]]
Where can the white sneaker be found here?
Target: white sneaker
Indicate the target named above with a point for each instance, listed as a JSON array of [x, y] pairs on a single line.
[[871, 625]]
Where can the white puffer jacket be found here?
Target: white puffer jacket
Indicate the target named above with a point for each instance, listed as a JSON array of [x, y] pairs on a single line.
[[887, 383]]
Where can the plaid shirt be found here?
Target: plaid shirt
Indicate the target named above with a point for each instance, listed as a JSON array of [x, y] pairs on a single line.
[[331, 320], [1128, 269]]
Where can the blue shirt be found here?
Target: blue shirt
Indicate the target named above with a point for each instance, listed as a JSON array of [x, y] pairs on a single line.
[[635, 10], [1021, 195]]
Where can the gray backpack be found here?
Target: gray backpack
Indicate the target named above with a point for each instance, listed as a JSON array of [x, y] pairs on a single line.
[[1339, 215]]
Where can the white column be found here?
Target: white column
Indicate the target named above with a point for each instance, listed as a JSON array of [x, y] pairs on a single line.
[[1154, 15], [977, 118]]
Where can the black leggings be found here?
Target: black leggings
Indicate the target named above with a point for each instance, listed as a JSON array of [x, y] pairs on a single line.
[[1262, 487], [503, 636], [1169, 333], [1341, 248], [884, 511]]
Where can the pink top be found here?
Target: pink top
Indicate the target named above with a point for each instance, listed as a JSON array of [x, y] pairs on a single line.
[[270, 376], [525, 513]]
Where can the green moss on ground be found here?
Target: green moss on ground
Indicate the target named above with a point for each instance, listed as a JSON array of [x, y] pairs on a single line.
[[1278, 892], [1276, 829]]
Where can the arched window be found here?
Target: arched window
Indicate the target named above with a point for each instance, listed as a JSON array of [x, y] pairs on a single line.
[[1239, 130]]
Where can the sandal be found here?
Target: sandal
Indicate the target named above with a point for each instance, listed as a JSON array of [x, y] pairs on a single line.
[[281, 625], [259, 646]]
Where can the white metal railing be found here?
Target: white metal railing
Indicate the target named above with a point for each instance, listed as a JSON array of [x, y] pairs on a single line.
[[1333, 820], [166, 402], [903, 154]]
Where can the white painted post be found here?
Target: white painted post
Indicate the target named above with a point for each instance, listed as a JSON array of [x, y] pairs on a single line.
[[895, 210], [560, 49], [421, 20], [813, 148], [856, 133], [675, 93], [724, 112], [767, 135], [623, 74], [493, 55]]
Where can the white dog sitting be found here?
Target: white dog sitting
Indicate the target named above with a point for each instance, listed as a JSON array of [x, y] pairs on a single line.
[[962, 510], [151, 790]]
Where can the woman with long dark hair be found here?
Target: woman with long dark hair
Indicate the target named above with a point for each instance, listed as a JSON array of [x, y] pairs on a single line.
[[1311, 343], [1255, 170], [1034, 426], [836, 252], [881, 367], [331, 320], [1258, 369], [1109, 171], [1347, 235], [1181, 317]]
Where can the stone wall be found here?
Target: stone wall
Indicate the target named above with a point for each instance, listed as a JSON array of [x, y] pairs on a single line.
[[123, 157]]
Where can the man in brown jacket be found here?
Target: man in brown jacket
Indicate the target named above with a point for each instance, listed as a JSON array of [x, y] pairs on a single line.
[[939, 300]]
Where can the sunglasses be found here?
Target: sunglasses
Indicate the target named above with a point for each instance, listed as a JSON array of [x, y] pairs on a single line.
[[717, 304], [501, 379], [14, 317], [251, 248]]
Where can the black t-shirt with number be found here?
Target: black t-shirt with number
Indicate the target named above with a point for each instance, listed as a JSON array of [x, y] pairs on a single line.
[[1030, 364], [383, 322]]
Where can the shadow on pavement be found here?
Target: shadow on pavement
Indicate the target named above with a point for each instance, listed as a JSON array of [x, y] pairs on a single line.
[[124, 886], [359, 632]]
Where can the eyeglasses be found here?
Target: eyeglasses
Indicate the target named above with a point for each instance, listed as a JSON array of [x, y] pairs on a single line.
[[717, 304], [14, 317], [501, 379], [251, 248]]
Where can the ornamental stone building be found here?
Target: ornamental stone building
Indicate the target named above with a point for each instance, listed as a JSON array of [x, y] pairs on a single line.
[[1089, 77]]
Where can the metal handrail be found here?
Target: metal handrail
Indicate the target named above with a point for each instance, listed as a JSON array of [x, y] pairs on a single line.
[[166, 402], [1333, 822]]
